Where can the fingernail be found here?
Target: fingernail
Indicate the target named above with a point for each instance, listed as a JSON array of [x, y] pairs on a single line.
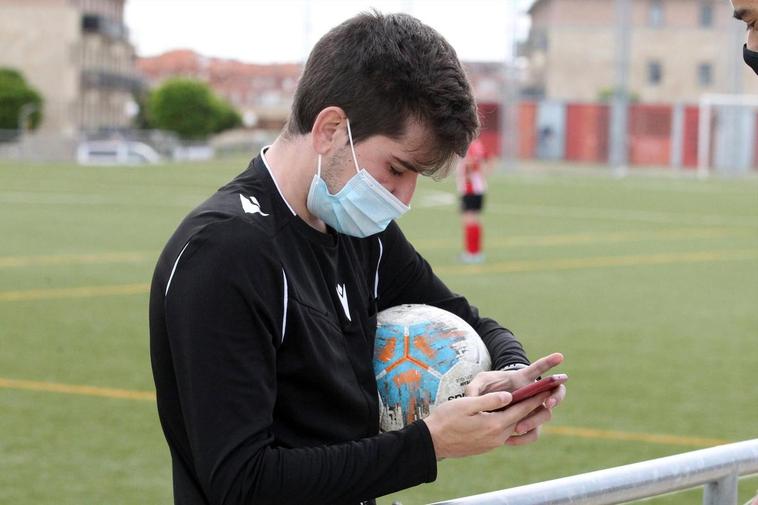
[[552, 402]]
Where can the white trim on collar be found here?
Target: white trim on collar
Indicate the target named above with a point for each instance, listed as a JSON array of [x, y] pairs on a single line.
[[265, 162]]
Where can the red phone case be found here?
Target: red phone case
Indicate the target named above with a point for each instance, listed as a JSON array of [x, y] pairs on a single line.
[[538, 387], [535, 388]]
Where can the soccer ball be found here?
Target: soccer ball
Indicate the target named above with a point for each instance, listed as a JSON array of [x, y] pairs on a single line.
[[423, 356]]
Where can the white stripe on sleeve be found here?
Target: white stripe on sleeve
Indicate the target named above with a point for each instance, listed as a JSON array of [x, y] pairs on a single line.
[[376, 279], [168, 284], [284, 312]]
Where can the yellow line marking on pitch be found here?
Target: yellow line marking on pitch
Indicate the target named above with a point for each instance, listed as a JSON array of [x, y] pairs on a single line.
[[75, 259], [502, 267], [599, 262], [514, 241], [611, 214], [564, 431], [53, 387], [80, 292], [571, 431]]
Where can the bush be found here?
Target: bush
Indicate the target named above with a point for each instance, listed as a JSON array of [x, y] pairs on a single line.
[[189, 108], [141, 121], [607, 94], [227, 116], [15, 92]]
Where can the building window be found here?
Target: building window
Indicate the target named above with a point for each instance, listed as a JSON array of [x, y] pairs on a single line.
[[706, 14], [705, 74], [654, 73], [538, 39], [655, 13]]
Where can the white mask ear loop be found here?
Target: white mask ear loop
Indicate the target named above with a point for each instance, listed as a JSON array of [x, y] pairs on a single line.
[[318, 166], [352, 148]]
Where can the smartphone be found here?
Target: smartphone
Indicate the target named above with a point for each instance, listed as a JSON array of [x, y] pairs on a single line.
[[538, 387], [535, 388]]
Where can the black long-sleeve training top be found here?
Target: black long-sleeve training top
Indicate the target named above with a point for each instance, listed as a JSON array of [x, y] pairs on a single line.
[[262, 335]]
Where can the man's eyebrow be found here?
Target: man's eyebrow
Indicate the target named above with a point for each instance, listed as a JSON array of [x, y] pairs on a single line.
[[407, 165]]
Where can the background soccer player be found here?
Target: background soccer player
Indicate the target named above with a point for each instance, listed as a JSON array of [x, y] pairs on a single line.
[[472, 187]]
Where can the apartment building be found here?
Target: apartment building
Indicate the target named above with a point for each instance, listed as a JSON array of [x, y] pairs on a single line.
[[678, 50], [78, 55]]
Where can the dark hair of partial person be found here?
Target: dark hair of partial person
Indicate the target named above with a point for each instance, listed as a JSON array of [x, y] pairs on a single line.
[[384, 70]]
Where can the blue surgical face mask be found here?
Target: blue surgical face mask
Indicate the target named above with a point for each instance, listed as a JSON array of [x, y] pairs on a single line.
[[361, 208]]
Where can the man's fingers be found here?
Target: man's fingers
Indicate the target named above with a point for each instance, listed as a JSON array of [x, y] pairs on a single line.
[[502, 384], [523, 408], [557, 396], [472, 389], [534, 420], [542, 365], [487, 402], [524, 439], [483, 383]]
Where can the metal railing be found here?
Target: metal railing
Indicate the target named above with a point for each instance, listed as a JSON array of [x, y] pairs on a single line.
[[716, 468]]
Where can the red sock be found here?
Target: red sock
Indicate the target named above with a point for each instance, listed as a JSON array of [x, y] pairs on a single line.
[[473, 238]]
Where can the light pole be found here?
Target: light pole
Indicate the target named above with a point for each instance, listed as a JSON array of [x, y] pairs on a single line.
[[619, 105], [24, 112], [509, 108]]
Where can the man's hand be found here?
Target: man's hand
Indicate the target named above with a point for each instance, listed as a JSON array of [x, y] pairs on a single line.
[[468, 426], [527, 429]]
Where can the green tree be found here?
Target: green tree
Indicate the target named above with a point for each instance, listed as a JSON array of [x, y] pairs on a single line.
[[141, 121], [607, 94], [15, 93], [189, 108], [227, 116]]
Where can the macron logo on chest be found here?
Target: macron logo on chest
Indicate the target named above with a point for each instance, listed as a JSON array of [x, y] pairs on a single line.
[[342, 295], [251, 206]]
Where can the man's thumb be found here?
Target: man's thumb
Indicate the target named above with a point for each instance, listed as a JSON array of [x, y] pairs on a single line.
[[489, 402]]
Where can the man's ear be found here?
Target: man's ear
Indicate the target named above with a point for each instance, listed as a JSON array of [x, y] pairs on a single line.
[[328, 132]]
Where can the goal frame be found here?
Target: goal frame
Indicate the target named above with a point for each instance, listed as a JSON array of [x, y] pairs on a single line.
[[706, 105]]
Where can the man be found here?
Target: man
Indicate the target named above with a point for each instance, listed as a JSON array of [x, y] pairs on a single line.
[[263, 304], [472, 187], [747, 11]]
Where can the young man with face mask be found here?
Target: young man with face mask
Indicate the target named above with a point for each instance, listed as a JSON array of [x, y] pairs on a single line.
[[263, 304], [747, 11]]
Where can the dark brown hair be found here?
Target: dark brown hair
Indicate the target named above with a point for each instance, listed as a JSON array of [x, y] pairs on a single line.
[[384, 71]]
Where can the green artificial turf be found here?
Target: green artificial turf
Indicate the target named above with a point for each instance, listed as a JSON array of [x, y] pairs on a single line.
[[647, 284]]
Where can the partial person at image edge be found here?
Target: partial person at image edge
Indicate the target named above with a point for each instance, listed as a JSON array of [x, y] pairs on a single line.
[[747, 11]]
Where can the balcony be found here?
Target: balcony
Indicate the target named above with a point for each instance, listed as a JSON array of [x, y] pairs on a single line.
[[102, 79], [109, 28]]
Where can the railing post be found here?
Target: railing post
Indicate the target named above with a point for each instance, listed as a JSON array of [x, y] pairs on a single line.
[[722, 491]]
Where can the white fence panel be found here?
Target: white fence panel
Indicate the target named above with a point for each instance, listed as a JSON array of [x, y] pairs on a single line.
[[716, 468]]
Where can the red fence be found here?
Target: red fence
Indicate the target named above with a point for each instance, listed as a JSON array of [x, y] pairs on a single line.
[[585, 131], [489, 117], [650, 134], [691, 131], [527, 129]]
